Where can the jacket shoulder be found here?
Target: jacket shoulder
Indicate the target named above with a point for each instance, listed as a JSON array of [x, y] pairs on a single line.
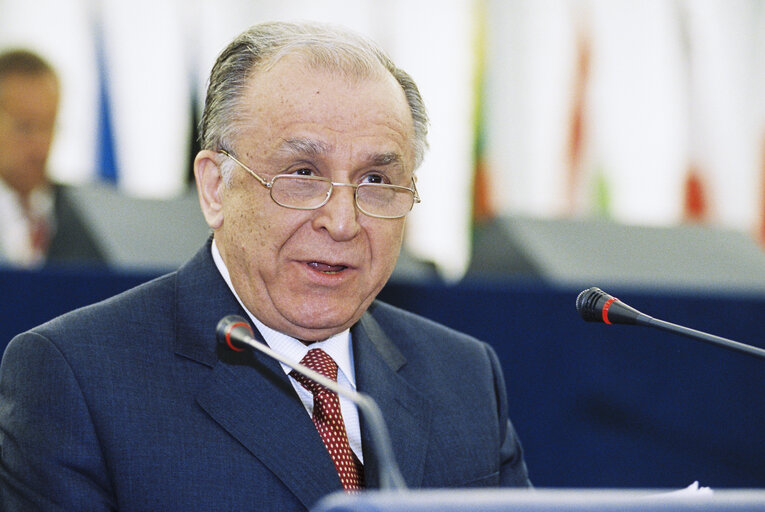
[[142, 306]]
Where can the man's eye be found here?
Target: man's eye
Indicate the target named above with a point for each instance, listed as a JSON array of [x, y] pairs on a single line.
[[374, 178], [304, 172]]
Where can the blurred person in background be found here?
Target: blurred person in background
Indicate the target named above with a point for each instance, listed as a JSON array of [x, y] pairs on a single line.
[[37, 225]]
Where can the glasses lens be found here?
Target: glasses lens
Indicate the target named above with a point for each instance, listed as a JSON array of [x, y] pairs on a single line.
[[300, 192], [384, 200]]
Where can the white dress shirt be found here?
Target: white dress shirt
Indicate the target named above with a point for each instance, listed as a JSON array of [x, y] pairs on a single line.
[[16, 246], [338, 347]]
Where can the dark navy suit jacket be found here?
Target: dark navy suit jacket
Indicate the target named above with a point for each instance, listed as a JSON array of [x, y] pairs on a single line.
[[129, 405]]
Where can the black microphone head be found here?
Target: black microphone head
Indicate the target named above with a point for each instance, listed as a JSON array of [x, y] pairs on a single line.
[[231, 324], [595, 305], [590, 302]]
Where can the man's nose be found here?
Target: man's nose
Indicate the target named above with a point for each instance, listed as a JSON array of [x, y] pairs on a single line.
[[339, 216]]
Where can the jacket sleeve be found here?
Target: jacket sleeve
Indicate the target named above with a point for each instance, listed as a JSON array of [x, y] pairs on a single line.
[[50, 458], [513, 471]]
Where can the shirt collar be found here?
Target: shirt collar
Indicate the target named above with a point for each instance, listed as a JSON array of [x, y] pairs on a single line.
[[338, 346]]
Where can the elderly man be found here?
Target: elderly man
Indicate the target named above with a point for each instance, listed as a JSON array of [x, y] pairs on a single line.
[[310, 140]]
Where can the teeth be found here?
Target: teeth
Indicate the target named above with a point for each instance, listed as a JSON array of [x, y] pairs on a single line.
[[326, 268]]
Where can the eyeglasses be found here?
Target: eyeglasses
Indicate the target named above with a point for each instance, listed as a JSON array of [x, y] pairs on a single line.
[[378, 200]]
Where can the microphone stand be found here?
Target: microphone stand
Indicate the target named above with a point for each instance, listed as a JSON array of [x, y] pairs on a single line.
[[701, 336]]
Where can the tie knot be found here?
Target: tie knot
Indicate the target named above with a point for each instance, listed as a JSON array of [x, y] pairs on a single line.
[[319, 361]]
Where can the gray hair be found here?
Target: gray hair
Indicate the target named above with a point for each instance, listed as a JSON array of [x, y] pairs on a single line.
[[327, 46]]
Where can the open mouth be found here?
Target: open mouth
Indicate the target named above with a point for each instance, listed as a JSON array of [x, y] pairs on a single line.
[[326, 268]]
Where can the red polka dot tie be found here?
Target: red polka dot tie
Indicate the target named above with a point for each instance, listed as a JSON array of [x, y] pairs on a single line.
[[39, 235], [329, 420]]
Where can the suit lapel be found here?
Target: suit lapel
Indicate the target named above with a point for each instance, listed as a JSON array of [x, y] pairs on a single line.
[[256, 404], [405, 410], [248, 394]]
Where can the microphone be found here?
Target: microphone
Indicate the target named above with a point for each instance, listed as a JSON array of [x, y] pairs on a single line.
[[236, 333], [595, 305]]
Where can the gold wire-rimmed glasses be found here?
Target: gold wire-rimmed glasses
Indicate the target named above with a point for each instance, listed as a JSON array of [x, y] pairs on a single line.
[[379, 200]]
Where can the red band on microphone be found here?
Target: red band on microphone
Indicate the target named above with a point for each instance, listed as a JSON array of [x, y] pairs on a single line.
[[605, 309], [228, 335]]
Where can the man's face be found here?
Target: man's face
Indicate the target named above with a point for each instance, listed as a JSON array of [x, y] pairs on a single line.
[[312, 273], [28, 105]]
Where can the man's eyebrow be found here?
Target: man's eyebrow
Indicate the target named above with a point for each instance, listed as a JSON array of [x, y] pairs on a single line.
[[314, 148], [383, 159], [303, 147]]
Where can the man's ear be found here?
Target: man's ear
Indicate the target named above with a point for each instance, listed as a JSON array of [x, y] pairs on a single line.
[[210, 187]]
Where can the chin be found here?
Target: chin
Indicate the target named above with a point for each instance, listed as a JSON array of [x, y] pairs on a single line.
[[323, 323]]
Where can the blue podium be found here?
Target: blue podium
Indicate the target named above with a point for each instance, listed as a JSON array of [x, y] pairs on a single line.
[[559, 500]]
